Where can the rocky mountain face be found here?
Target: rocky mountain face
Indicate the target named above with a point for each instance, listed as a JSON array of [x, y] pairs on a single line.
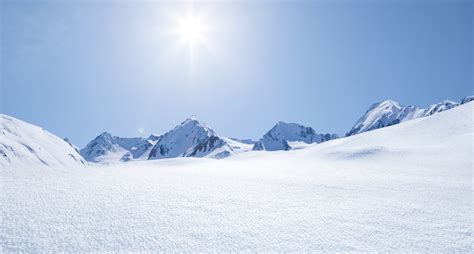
[[191, 138], [107, 148], [282, 134]]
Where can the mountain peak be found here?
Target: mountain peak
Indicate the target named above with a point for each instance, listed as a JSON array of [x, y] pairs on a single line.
[[385, 105], [279, 136], [467, 99], [192, 118], [191, 138], [105, 134]]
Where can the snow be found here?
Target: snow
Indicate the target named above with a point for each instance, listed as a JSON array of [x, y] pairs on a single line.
[[406, 188], [467, 99], [191, 138], [282, 134], [389, 112], [23, 144], [106, 148]]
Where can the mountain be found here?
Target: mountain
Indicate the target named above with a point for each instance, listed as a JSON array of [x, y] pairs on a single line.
[[467, 99], [404, 188], [191, 138], [388, 112], [287, 136], [439, 107], [108, 148], [23, 145], [245, 141]]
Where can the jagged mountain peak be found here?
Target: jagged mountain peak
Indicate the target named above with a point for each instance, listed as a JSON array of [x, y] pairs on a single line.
[[193, 122], [467, 99], [282, 133], [439, 107], [191, 138], [385, 104]]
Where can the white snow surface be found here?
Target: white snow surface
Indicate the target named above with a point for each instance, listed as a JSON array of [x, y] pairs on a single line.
[[404, 188], [23, 145]]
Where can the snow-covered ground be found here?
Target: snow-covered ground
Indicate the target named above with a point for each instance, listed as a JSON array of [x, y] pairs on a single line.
[[407, 187]]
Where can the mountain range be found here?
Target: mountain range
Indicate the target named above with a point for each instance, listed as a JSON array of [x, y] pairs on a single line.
[[388, 112], [22, 143]]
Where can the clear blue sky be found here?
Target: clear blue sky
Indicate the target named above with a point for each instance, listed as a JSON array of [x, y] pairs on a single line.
[[82, 67]]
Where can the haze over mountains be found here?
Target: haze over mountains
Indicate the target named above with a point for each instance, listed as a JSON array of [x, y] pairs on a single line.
[[22, 143]]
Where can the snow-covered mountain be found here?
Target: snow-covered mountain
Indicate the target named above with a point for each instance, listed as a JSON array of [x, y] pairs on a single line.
[[467, 99], [108, 148], [404, 188], [23, 145], [191, 138], [388, 112], [283, 134]]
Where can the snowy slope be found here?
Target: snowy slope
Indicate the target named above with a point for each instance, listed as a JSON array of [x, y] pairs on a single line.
[[23, 145], [388, 112], [191, 138], [404, 188], [282, 134]]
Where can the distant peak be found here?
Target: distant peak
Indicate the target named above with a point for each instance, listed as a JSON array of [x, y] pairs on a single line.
[[467, 99], [385, 103], [104, 135], [192, 118], [389, 102], [448, 102]]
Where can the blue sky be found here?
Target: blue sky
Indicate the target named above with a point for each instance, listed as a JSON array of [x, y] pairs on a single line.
[[79, 68]]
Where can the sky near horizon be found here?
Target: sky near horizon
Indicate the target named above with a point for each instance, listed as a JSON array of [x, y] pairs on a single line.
[[83, 67]]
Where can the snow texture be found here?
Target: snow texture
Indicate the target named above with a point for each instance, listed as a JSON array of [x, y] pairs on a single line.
[[405, 188]]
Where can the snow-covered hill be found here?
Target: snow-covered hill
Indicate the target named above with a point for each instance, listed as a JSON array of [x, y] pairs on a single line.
[[404, 188], [23, 145], [191, 138], [388, 112], [283, 134]]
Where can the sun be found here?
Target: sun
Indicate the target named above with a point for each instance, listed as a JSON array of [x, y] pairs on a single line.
[[191, 33], [191, 30]]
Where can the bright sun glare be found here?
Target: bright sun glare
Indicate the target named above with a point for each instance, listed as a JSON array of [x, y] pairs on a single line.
[[191, 30]]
